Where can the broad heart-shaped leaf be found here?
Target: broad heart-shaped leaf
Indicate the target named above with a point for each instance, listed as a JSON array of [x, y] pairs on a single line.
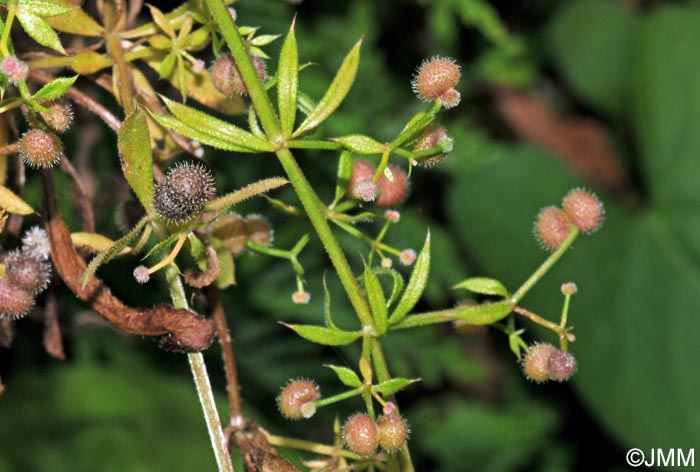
[[335, 94], [39, 30], [416, 284], [345, 375], [393, 385], [360, 144], [377, 300], [288, 83], [635, 315], [134, 144], [11, 203], [55, 89], [323, 335], [484, 286], [249, 191]]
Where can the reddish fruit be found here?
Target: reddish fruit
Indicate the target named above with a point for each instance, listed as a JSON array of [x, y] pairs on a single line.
[[393, 431], [59, 116], [362, 172], [259, 230], [26, 272], [392, 194], [450, 98], [366, 191], [227, 79], [231, 229], [562, 365], [14, 302], [552, 227], [14, 69], [183, 193], [433, 136], [535, 362], [297, 399], [584, 210], [40, 149], [435, 77], [361, 434]]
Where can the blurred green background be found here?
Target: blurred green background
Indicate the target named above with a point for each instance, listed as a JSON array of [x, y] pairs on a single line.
[[601, 94]]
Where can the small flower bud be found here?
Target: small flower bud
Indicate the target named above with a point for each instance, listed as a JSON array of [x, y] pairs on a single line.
[[387, 263], [407, 257], [59, 116], [569, 288], [535, 362], [227, 79], [14, 302], [15, 70], [393, 431], [434, 136], [297, 399], [435, 77], [40, 149], [361, 434], [141, 274], [552, 227], [259, 230], [26, 272], [183, 193], [388, 408], [392, 194], [301, 297], [35, 242], [584, 210], [392, 215], [231, 229], [562, 366]]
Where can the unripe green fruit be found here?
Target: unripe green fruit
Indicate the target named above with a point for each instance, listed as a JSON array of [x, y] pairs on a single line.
[[231, 229], [535, 362], [392, 194], [26, 272], [562, 366], [584, 209], [297, 399], [361, 434], [183, 193], [552, 227], [259, 230], [435, 77], [40, 149], [393, 431], [14, 302], [227, 79]]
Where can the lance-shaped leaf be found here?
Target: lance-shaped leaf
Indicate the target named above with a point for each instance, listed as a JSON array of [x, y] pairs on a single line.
[[134, 144], [392, 386], [11, 203], [336, 93], [39, 30], [206, 124], [89, 62], [376, 300], [327, 306], [416, 285], [485, 313], [323, 335], [397, 286], [484, 286], [76, 21], [42, 8], [346, 376], [173, 124], [93, 242], [344, 174], [288, 83], [249, 191], [360, 144], [55, 89]]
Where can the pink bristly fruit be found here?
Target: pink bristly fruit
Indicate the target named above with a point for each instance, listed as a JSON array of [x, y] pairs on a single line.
[[552, 227], [40, 149], [584, 209], [361, 434], [392, 194], [296, 400]]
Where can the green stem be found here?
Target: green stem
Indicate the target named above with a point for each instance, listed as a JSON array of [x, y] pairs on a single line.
[[11, 10], [201, 380], [316, 448], [313, 144], [336, 398], [424, 319]]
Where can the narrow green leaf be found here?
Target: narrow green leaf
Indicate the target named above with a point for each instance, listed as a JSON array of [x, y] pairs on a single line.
[[377, 301], [397, 286], [94, 242], [346, 376], [327, 305], [253, 123], [264, 39], [174, 124], [323, 335], [134, 144], [485, 313], [288, 83], [249, 191], [162, 22], [360, 144], [484, 285], [41, 8], [12, 203], [162, 244], [39, 30], [336, 93], [167, 65], [344, 174], [392, 386], [416, 284], [55, 89], [221, 130]]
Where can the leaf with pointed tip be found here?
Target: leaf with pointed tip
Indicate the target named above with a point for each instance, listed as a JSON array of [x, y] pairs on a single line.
[[55, 89], [360, 144], [288, 83], [376, 300], [173, 124], [416, 284], [39, 30], [323, 335], [162, 22], [264, 39], [76, 21], [346, 376], [484, 286], [89, 62], [134, 144], [327, 305], [41, 8], [484, 314], [335, 94], [249, 191], [392, 386], [398, 283], [94, 242], [12, 203]]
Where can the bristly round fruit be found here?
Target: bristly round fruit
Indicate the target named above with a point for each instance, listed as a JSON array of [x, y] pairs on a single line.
[[15, 70], [366, 191], [434, 136], [14, 302], [26, 272], [535, 362], [231, 229], [392, 194], [562, 366], [584, 210], [360, 186], [183, 193], [552, 227], [40, 149], [259, 230], [227, 79], [141, 274], [393, 431], [35, 241], [59, 116], [436, 78], [296, 400], [361, 434]]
